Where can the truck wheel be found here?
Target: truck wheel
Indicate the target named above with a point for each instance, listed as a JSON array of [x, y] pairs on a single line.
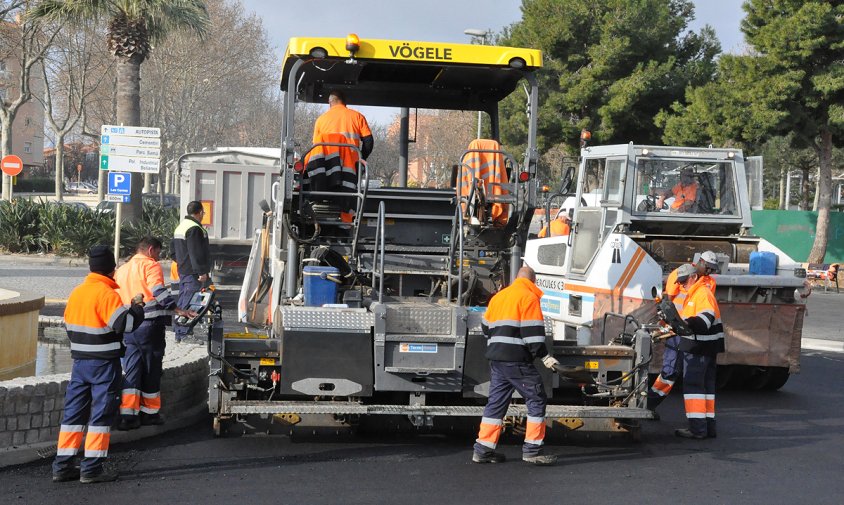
[[723, 377], [221, 427], [777, 377]]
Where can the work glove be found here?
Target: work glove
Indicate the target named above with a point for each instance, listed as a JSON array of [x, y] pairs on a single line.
[[549, 361], [138, 299]]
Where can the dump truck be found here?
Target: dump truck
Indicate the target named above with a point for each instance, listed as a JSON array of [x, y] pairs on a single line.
[[382, 315], [229, 181], [630, 230]]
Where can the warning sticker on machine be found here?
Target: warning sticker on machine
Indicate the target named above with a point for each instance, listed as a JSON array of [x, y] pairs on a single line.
[[431, 348]]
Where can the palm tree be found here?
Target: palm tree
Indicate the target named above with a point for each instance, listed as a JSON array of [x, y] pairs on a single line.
[[133, 27]]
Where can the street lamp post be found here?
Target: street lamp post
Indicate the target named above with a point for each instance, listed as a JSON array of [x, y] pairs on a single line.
[[478, 37]]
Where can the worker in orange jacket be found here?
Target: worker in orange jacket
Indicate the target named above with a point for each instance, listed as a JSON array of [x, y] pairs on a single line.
[[684, 193], [96, 319], [703, 316], [560, 226], [672, 358], [515, 330], [141, 396], [334, 168]]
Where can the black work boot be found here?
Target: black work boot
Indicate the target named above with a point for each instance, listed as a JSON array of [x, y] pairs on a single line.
[[710, 428], [540, 459], [104, 476], [129, 423], [492, 457], [66, 475], [151, 419], [685, 433]]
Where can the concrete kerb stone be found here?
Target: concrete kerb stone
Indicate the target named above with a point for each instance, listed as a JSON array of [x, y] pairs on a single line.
[[40, 400]]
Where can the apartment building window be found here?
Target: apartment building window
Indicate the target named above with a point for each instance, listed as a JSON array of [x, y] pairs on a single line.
[[27, 147]]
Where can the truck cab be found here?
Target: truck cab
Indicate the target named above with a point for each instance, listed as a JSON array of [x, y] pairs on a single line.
[[641, 211]]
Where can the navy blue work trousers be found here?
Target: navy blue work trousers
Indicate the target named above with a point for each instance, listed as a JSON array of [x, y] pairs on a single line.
[[188, 286], [90, 405], [142, 367], [506, 377]]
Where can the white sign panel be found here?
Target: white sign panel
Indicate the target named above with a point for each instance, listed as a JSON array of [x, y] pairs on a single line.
[[117, 198], [128, 164], [132, 131], [122, 140], [137, 152]]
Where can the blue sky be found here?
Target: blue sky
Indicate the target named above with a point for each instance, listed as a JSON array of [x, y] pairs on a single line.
[[438, 20]]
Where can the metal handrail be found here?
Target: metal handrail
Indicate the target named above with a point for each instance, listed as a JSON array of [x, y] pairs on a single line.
[[379, 252], [458, 214]]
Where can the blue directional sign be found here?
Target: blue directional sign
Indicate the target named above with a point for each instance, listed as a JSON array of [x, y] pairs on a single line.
[[119, 183]]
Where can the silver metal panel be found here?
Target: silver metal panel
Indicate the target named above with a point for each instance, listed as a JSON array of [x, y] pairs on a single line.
[[315, 387], [261, 407], [419, 317], [319, 318], [434, 339], [399, 369]]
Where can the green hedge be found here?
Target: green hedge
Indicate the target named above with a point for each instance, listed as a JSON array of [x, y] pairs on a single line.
[[34, 185], [28, 226]]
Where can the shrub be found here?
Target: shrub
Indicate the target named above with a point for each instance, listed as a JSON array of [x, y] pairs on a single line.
[[19, 225], [160, 222]]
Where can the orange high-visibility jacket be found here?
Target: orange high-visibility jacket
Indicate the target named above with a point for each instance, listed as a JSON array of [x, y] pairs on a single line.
[[558, 228], [676, 291], [683, 194], [142, 274], [331, 168], [96, 319], [513, 324], [488, 168], [701, 313], [344, 121]]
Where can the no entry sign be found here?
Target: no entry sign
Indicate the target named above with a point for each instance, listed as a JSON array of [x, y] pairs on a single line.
[[11, 165]]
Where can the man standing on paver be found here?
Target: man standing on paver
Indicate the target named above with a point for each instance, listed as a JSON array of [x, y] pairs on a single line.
[[96, 319], [193, 257]]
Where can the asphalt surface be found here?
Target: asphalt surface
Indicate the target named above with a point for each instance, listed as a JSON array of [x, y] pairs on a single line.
[[779, 447]]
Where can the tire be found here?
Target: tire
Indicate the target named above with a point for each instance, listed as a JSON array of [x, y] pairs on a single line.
[[758, 378], [723, 377], [777, 377]]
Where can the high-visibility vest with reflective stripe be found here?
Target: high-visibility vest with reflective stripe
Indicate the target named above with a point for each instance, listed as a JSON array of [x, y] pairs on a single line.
[[91, 311], [513, 324], [344, 121], [489, 169], [700, 303], [142, 274], [676, 291], [180, 246]]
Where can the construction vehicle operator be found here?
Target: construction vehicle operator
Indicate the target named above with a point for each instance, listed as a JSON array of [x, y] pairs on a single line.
[[702, 314], [141, 396], [95, 318], [684, 192], [334, 168], [560, 226], [515, 330]]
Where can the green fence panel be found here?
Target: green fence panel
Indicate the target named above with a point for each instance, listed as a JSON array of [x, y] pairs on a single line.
[[793, 231]]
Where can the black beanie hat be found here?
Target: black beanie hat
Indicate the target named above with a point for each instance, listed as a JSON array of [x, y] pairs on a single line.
[[101, 259]]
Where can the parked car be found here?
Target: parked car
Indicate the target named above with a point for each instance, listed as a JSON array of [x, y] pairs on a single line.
[[171, 201], [75, 205], [105, 207], [81, 187]]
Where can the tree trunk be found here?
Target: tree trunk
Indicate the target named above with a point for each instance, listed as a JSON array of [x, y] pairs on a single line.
[[817, 192], [824, 151], [783, 182], [804, 189], [6, 149], [129, 114], [59, 165]]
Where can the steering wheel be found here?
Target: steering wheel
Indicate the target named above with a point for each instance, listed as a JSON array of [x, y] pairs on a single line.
[[649, 204]]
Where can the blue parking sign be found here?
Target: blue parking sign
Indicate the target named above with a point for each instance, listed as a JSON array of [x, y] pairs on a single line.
[[119, 183]]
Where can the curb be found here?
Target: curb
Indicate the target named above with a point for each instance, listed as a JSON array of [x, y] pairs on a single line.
[[35, 452], [817, 344]]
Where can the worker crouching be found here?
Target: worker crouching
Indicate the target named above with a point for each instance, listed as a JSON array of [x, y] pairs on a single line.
[[515, 331]]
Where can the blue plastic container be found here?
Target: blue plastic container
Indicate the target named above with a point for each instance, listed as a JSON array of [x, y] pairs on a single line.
[[763, 263], [319, 289]]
